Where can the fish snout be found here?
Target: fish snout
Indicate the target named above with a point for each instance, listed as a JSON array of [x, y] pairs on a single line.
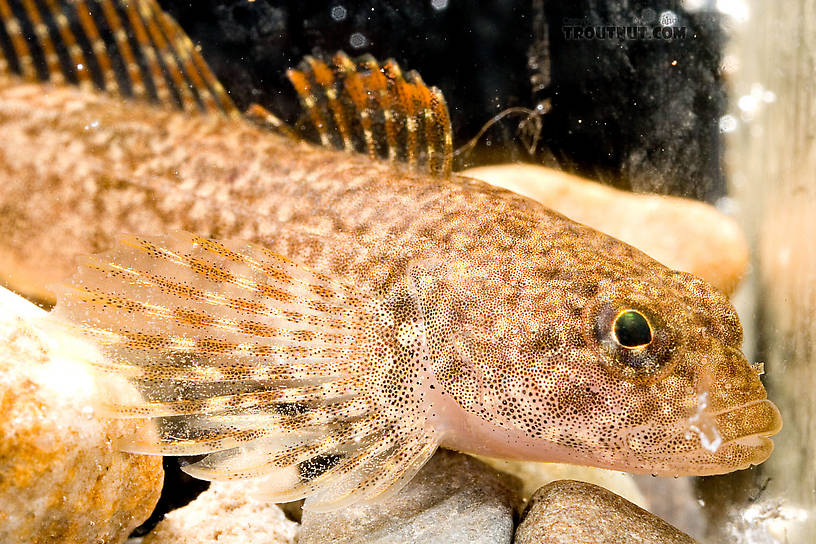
[[731, 421], [738, 406], [731, 381]]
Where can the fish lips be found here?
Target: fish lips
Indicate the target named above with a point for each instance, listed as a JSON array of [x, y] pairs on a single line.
[[728, 440], [746, 430]]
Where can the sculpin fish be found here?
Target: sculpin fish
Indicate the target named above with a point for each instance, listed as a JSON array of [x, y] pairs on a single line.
[[325, 319]]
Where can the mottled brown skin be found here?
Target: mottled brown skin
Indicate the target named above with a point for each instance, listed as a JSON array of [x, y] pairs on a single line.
[[520, 300]]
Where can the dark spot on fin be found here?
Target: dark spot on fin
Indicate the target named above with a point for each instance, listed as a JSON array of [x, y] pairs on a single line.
[[371, 108], [291, 408], [314, 467], [126, 48]]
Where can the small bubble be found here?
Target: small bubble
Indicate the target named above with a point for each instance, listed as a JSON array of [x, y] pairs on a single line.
[[358, 41], [339, 13], [728, 123], [439, 5], [668, 18], [80, 66], [727, 205], [768, 97]]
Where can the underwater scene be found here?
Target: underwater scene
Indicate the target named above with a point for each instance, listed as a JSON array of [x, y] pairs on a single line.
[[427, 271]]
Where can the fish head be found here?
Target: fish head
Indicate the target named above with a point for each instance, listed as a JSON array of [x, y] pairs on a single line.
[[688, 402], [642, 373]]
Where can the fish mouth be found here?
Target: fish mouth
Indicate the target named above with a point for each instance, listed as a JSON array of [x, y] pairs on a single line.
[[733, 419], [713, 442], [732, 439], [755, 419]]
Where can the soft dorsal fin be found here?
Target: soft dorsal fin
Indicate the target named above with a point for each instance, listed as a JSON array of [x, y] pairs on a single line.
[[129, 48], [376, 109]]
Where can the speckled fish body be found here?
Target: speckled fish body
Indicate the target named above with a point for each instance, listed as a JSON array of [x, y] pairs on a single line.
[[409, 311], [79, 168]]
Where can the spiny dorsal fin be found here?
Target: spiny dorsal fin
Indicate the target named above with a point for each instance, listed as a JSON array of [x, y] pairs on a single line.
[[129, 48], [375, 109], [230, 350]]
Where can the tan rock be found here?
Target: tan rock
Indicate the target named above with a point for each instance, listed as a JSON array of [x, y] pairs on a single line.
[[227, 513], [61, 477], [683, 234], [535, 475], [570, 512]]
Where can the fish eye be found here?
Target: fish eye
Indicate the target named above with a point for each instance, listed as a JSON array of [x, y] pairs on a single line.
[[635, 344], [631, 329]]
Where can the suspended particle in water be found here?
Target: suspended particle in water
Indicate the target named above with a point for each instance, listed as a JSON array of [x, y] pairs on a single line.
[[737, 10], [339, 13], [728, 206], [648, 16], [748, 105], [358, 41]]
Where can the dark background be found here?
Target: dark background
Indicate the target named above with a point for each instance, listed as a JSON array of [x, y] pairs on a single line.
[[621, 111]]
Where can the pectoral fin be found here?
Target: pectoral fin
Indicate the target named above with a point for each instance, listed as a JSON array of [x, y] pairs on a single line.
[[230, 350]]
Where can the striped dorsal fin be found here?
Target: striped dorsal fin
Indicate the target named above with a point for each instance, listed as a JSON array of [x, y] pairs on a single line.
[[360, 105], [129, 48]]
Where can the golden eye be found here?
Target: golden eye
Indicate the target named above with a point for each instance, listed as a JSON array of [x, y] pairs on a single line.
[[631, 329]]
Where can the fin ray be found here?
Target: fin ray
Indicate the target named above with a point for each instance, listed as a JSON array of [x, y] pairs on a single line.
[[373, 109], [129, 48], [19, 46], [230, 350]]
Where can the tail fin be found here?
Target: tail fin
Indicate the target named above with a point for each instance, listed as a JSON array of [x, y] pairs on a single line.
[[241, 354], [130, 48]]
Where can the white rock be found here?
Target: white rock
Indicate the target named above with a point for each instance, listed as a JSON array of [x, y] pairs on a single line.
[[227, 513], [453, 499]]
